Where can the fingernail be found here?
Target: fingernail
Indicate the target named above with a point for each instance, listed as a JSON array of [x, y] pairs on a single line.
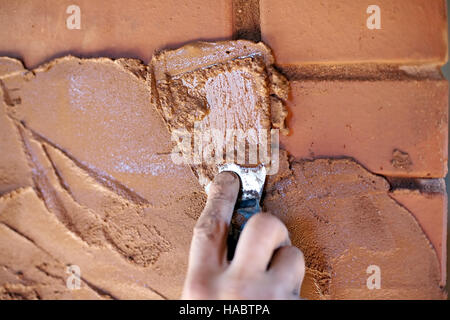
[[226, 177]]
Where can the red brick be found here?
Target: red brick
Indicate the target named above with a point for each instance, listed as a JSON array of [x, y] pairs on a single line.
[[36, 30], [393, 128], [430, 210], [309, 32]]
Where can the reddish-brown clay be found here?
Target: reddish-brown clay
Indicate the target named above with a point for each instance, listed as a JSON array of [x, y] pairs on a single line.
[[342, 218]]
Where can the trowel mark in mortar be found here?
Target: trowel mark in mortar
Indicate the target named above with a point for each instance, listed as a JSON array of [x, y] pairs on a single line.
[[130, 133], [140, 244], [29, 216], [122, 223], [148, 164], [18, 291], [46, 183], [34, 268], [7, 98], [102, 178], [105, 179], [80, 92]]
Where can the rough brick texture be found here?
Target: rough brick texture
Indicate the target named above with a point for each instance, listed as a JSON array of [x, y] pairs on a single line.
[[114, 28], [394, 128], [335, 31]]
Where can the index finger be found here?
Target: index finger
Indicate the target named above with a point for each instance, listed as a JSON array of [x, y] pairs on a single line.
[[209, 241], [222, 197]]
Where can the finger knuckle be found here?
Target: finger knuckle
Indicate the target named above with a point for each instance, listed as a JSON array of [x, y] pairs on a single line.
[[295, 253], [219, 196], [265, 223], [209, 227], [221, 193]]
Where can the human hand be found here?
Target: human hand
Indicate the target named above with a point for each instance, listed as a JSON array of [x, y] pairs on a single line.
[[264, 266]]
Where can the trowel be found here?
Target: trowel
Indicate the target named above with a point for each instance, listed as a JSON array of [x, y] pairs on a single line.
[[248, 202], [222, 86]]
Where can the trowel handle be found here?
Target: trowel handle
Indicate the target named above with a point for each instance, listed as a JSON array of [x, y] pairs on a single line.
[[244, 210]]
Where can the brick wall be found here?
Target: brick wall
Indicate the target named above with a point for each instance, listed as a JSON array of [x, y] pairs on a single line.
[[368, 91]]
